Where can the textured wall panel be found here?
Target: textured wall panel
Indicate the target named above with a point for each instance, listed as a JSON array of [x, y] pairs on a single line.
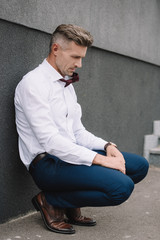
[[21, 50]]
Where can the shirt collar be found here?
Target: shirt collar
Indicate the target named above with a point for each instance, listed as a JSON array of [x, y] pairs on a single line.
[[50, 71]]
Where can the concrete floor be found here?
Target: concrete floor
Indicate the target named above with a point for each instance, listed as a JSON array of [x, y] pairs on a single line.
[[136, 219]]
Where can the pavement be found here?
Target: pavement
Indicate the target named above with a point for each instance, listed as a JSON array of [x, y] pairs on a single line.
[[136, 219]]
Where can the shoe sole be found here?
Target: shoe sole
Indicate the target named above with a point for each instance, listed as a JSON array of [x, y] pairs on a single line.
[[81, 224], [38, 208]]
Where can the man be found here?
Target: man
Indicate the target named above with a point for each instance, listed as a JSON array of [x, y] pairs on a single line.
[[72, 167]]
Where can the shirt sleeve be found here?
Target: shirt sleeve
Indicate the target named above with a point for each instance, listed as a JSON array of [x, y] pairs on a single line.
[[37, 111], [84, 137]]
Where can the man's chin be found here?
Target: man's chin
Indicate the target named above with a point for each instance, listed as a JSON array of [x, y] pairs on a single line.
[[70, 74]]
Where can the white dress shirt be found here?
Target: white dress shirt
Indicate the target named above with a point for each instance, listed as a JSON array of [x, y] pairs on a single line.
[[48, 119]]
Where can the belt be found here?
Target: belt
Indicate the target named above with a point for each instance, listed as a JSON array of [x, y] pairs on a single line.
[[38, 158]]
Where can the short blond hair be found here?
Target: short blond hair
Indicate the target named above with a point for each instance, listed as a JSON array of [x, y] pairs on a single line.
[[73, 33]]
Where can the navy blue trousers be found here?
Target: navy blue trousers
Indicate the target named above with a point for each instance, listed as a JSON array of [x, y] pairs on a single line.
[[67, 186]]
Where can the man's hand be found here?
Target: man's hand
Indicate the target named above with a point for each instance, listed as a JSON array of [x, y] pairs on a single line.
[[114, 159], [112, 151]]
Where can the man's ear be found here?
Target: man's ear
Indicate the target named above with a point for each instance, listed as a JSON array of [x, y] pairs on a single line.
[[55, 48]]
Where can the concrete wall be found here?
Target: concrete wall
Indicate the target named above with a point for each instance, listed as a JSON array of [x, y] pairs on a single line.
[[119, 94], [18, 54], [129, 27]]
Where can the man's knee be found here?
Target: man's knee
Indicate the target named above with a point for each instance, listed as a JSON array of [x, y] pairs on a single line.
[[122, 192], [143, 170]]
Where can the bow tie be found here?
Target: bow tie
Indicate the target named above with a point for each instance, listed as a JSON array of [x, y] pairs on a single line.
[[74, 78]]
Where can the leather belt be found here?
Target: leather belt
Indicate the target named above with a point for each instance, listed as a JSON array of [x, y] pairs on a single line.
[[38, 158]]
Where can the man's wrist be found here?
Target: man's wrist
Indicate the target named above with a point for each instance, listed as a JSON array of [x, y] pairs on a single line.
[[99, 159]]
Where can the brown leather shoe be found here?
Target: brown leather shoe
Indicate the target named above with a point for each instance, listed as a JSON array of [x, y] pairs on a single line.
[[52, 217], [74, 217]]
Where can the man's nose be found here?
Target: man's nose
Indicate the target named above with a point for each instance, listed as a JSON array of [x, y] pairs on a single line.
[[79, 63]]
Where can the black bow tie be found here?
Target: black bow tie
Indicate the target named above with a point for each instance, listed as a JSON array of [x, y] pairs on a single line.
[[74, 78]]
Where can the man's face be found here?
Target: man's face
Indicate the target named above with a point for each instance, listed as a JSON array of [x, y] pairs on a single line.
[[69, 58]]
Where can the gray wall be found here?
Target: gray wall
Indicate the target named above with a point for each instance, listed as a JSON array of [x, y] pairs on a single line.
[[128, 27], [21, 50], [119, 94]]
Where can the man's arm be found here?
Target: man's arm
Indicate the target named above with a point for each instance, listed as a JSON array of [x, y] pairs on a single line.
[[84, 137], [114, 158]]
